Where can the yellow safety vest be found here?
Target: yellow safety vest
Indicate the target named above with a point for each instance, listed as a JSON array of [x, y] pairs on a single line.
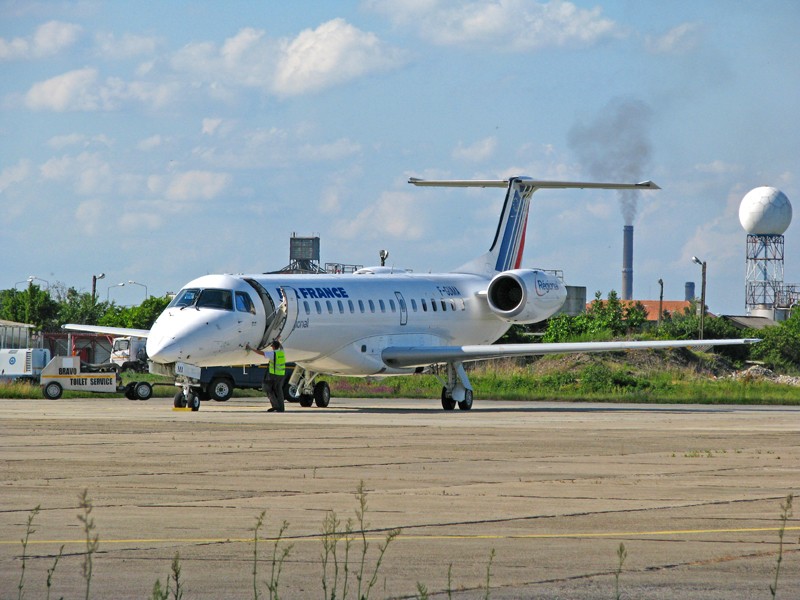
[[277, 366]]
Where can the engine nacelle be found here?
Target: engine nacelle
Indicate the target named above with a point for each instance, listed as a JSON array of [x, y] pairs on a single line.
[[525, 295]]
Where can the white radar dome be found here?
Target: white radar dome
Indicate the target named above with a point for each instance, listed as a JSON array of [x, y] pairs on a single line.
[[765, 211]]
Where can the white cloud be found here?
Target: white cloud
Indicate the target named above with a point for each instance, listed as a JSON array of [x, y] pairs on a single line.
[[87, 172], [480, 150], [75, 90], [81, 90], [110, 46], [196, 185], [14, 174], [678, 40], [48, 40], [515, 25], [211, 125], [154, 141], [717, 167], [394, 215], [331, 54], [336, 150]]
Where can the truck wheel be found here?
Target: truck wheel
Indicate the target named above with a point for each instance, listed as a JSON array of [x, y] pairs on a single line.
[[179, 400], [322, 394], [142, 390], [52, 391], [220, 389]]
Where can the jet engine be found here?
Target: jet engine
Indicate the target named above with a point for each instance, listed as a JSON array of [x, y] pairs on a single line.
[[525, 295]]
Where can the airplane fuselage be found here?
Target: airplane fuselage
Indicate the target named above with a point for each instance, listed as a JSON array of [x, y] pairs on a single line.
[[335, 324]]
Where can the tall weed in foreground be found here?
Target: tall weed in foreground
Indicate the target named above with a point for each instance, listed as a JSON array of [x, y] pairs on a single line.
[[332, 534], [160, 593], [622, 554], [29, 530], [92, 539], [786, 513]]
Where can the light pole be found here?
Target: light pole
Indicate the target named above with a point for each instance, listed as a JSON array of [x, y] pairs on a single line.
[[702, 263], [660, 301], [33, 278], [94, 285], [108, 289], [141, 284]]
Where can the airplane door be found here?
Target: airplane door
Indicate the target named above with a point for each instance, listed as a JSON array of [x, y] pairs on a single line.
[[282, 325], [403, 309]]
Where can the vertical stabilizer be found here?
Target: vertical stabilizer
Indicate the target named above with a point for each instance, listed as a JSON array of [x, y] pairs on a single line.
[[507, 248]]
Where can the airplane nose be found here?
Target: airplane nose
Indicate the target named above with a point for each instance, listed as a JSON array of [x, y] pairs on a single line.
[[163, 350]]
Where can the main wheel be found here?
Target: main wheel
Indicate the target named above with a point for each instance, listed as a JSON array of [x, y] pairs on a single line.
[[194, 402], [447, 400], [52, 390], [179, 400], [142, 390], [466, 403], [220, 389], [322, 394], [306, 400]]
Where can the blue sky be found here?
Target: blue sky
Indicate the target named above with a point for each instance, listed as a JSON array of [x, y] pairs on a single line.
[[159, 141]]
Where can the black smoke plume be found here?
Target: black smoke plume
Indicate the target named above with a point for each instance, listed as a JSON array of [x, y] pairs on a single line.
[[615, 146]]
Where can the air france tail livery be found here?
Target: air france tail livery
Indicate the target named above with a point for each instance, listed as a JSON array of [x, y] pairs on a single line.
[[378, 321]]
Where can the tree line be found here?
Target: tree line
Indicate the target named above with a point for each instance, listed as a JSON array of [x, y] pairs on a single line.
[[47, 310], [603, 320]]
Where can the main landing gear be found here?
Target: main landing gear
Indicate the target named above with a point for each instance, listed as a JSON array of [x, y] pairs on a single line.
[[302, 388], [456, 388]]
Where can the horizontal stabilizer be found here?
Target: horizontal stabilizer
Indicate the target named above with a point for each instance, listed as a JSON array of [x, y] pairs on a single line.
[[502, 183], [398, 357]]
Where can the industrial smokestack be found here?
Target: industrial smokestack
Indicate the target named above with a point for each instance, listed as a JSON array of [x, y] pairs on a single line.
[[627, 262]]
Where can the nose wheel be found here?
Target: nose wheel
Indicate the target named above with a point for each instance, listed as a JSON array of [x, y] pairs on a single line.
[[186, 398]]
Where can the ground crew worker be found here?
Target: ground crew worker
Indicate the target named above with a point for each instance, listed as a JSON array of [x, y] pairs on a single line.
[[273, 378]]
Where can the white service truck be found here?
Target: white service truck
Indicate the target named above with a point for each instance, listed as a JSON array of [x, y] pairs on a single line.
[[67, 373], [129, 353], [23, 364]]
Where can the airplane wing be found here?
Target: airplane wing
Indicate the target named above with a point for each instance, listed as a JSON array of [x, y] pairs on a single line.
[[400, 357], [116, 331]]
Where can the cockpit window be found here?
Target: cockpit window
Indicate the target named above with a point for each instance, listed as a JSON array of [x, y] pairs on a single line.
[[245, 304], [185, 298], [220, 299], [210, 298]]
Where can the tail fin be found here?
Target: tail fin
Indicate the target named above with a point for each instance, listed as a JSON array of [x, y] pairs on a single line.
[[507, 248]]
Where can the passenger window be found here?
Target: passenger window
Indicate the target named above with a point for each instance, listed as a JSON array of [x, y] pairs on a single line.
[[371, 306], [433, 305], [307, 306], [351, 307], [361, 306], [382, 305], [244, 304], [413, 305], [424, 305], [391, 305], [318, 306], [341, 306], [330, 306], [444, 305], [452, 304], [463, 306]]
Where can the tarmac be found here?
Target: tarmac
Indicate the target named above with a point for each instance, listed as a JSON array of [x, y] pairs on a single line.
[[508, 500]]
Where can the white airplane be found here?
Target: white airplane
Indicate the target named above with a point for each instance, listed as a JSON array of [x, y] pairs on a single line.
[[378, 321]]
